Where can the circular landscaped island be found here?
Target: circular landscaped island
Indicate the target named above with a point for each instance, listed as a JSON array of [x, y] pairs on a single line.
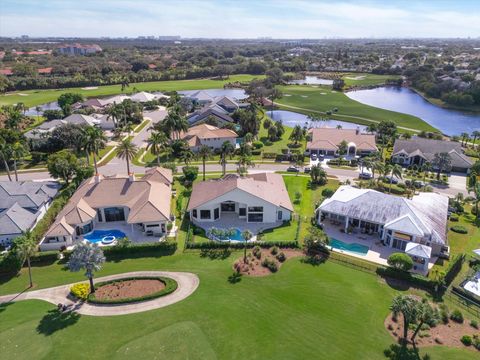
[[132, 289]]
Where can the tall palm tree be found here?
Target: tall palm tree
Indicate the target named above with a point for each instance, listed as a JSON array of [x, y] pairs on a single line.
[[26, 247], [226, 149], [174, 123], [114, 114], [5, 150], [405, 305], [19, 151], [127, 150], [95, 140], [204, 152], [86, 256], [186, 156], [125, 82], [475, 136], [425, 314], [156, 143], [246, 235], [464, 136], [395, 170], [425, 168]]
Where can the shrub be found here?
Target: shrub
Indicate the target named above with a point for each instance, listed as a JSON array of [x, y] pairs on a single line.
[[281, 257], [400, 261], [257, 145], [476, 342], [454, 217], [169, 226], [457, 316], [466, 340], [459, 229], [270, 265], [274, 250], [444, 316], [190, 173], [80, 291], [474, 324], [256, 251], [267, 155], [327, 192]]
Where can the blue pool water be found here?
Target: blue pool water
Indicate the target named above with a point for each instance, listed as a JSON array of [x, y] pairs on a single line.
[[237, 236], [96, 236], [354, 247]]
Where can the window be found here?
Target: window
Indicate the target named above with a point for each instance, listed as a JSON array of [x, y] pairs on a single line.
[[216, 213], [99, 215], [242, 212], [114, 214], [204, 214], [255, 209], [194, 213], [280, 215], [228, 206], [151, 225], [255, 217]]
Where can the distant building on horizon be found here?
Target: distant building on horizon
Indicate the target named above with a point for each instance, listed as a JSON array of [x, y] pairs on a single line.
[[78, 49]]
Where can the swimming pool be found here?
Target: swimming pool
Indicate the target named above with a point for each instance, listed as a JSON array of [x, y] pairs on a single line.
[[355, 248], [104, 236], [235, 235]]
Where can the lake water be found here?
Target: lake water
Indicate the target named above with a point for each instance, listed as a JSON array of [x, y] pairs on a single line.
[[312, 80], [290, 118], [404, 100], [238, 94], [48, 106]]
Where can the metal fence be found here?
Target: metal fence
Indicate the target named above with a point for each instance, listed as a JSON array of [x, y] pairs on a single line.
[[463, 303]]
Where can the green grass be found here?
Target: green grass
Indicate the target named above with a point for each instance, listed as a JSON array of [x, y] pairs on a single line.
[[299, 313], [141, 126], [367, 79], [38, 97], [308, 99], [304, 209]]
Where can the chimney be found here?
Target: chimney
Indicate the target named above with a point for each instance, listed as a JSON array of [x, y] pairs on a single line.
[[131, 177], [357, 131], [97, 178]]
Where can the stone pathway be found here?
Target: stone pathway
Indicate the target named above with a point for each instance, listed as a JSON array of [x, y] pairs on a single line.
[[187, 284]]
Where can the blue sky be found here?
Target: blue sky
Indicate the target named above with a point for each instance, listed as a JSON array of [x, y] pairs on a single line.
[[241, 19]]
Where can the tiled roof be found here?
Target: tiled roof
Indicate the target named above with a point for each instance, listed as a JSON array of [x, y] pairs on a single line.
[[28, 194], [332, 137], [16, 219]]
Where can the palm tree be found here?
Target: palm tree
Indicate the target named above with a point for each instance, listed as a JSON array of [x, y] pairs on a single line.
[[475, 135], [464, 136], [114, 114], [174, 123], [425, 314], [274, 94], [247, 235], [5, 154], [86, 256], [127, 150], [204, 152], [18, 152], [26, 247], [425, 168], [247, 138], [186, 156], [226, 149], [395, 170], [476, 191], [405, 305], [124, 82], [38, 109], [371, 128], [297, 134], [442, 162], [94, 141], [156, 143]]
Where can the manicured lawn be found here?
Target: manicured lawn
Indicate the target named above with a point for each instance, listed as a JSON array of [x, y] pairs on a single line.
[[302, 312], [365, 79], [305, 99], [38, 97], [304, 209]]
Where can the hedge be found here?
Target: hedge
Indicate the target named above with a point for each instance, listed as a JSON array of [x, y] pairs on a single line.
[[459, 229], [453, 268], [241, 245], [170, 286], [416, 279]]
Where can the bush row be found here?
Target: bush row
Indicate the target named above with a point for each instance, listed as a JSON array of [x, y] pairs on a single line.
[[241, 245], [170, 286], [453, 268]]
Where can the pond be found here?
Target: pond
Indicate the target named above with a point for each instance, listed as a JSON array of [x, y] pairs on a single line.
[[404, 100], [290, 118], [238, 94], [312, 80], [48, 106]]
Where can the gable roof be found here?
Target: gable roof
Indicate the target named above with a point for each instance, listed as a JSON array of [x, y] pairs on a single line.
[[204, 114], [16, 219], [142, 97], [269, 187], [332, 137], [80, 119], [28, 194], [427, 148], [424, 214], [419, 250]]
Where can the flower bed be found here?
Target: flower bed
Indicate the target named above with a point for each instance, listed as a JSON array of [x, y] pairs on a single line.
[[147, 288]]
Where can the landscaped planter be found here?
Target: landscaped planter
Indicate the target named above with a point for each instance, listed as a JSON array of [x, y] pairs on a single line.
[[122, 291]]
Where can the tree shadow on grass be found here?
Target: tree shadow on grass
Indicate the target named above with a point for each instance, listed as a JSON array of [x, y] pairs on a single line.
[[215, 254], [236, 277], [403, 352], [3, 306], [56, 320]]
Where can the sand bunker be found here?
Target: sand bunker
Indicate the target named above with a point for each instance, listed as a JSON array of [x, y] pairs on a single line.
[[90, 88], [360, 77]]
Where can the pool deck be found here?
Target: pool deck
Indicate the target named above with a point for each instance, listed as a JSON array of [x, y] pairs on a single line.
[[135, 235], [377, 252]]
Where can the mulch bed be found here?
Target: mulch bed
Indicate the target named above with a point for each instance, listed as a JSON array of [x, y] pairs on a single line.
[[126, 289], [254, 266], [442, 334]]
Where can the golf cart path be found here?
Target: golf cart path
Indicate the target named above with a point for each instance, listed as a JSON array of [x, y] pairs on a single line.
[[187, 284]]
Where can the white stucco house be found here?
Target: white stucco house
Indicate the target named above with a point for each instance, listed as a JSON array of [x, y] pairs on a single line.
[[257, 198]]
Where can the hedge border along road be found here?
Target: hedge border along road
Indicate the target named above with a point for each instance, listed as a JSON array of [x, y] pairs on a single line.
[[307, 99], [38, 97]]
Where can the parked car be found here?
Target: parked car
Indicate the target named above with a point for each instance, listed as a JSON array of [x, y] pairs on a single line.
[[391, 180], [365, 175], [293, 169], [307, 169], [418, 184], [314, 157]]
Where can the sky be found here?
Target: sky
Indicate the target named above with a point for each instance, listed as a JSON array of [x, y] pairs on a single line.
[[292, 19]]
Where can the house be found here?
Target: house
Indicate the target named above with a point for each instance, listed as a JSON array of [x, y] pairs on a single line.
[[417, 151], [140, 207], [201, 97], [22, 205], [44, 130], [78, 49], [80, 119], [416, 226], [208, 135], [326, 141], [256, 198], [203, 115], [145, 96]]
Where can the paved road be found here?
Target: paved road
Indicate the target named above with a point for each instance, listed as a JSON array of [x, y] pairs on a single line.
[[187, 284]]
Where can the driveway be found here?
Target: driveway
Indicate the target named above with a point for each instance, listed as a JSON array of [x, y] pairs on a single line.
[[187, 284]]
